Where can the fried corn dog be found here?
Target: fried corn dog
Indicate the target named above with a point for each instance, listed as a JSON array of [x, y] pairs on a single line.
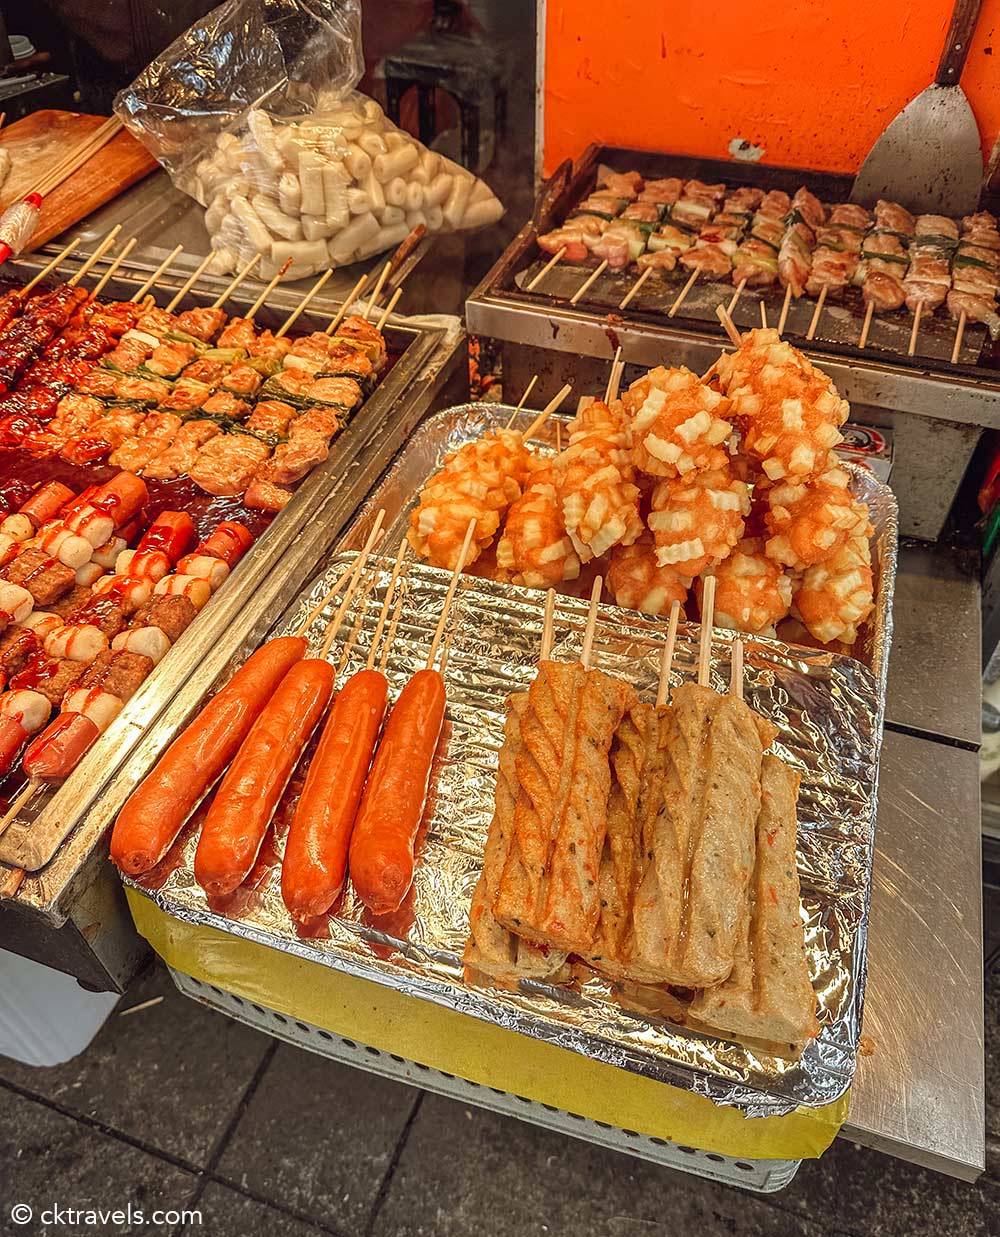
[[768, 995], [548, 891], [698, 821]]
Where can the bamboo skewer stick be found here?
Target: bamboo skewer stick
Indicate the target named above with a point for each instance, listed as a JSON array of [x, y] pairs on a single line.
[[377, 291], [588, 282], [96, 256], [102, 283], [683, 293], [736, 670], [728, 326], [785, 304], [449, 597], [267, 290], [550, 265], [548, 622], [380, 325], [397, 614], [390, 588], [705, 641], [627, 298], [293, 317], [341, 313], [3, 120], [360, 599], [916, 327], [527, 391], [189, 283], [546, 412], [11, 882], [235, 282], [321, 605], [588, 632], [667, 657], [17, 803], [763, 314], [78, 157], [611, 390], [141, 292], [333, 627], [820, 302], [48, 269], [866, 326], [734, 299], [960, 331]]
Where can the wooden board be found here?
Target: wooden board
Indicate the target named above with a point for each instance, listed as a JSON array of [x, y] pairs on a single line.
[[40, 140]]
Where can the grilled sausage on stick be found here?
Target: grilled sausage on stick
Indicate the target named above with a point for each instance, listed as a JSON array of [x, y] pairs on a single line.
[[236, 822], [382, 845], [315, 859]]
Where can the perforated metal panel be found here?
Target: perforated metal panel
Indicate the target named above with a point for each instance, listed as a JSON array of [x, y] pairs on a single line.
[[764, 1176]]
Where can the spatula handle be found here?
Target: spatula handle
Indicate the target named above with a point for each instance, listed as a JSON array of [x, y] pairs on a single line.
[[964, 17]]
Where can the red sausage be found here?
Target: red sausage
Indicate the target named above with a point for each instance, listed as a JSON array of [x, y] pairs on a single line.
[[230, 541], [172, 532], [55, 753], [153, 815], [13, 737], [47, 501], [312, 871], [123, 497], [247, 796], [393, 804]]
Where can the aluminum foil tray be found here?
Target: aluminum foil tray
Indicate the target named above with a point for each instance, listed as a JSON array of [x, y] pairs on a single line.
[[827, 708]]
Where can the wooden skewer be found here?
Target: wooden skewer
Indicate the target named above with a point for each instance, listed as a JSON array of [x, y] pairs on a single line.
[[667, 656], [293, 317], [390, 588], [683, 293], [736, 670], [80, 155], [728, 326], [734, 299], [588, 631], [624, 302], [390, 636], [267, 290], [612, 385], [11, 882], [377, 291], [16, 804], [449, 597], [820, 302], [321, 605], [588, 282], [333, 627], [866, 326], [558, 439], [141, 292], [102, 283], [235, 282], [916, 327], [548, 623], [96, 256], [341, 313], [546, 412], [3, 120], [189, 283], [958, 338], [527, 391], [380, 325], [785, 304], [763, 314], [47, 270], [705, 643], [552, 262]]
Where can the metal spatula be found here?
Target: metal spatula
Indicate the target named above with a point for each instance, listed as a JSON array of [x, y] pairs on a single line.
[[929, 157]]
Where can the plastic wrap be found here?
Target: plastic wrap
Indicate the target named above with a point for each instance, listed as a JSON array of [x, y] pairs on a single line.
[[252, 112]]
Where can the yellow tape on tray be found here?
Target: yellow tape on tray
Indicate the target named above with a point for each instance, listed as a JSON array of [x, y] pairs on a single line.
[[457, 1044]]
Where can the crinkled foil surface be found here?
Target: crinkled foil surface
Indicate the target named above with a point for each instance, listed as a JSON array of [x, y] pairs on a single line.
[[828, 711]]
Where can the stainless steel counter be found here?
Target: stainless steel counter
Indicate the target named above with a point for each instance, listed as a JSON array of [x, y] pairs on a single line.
[[920, 1094]]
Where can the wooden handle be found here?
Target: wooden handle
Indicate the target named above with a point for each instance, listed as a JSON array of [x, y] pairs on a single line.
[[964, 17], [549, 193]]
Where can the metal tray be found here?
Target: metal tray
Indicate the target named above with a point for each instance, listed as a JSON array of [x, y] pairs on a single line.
[[828, 709], [53, 813]]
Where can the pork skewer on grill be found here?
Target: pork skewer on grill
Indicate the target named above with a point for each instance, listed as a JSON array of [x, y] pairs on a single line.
[[884, 261], [835, 258], [975, 277]]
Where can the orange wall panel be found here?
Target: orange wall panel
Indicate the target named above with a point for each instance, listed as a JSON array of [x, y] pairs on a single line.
[[813, 83]]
